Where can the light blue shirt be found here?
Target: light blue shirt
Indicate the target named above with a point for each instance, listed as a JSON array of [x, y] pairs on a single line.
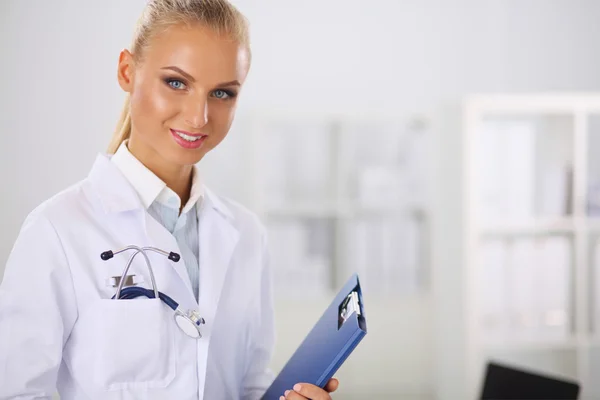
[[163, 204]]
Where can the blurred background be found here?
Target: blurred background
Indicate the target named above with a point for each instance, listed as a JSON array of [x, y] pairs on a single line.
[[443, 149]]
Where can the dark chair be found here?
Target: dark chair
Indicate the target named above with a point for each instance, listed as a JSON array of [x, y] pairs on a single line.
[[508, 383]]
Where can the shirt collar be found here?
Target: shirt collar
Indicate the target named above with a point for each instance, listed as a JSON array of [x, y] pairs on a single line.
[[151, 188]]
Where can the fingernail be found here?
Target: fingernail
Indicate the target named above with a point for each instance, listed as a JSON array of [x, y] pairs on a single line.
[[286, 393], [281, 398], [297, 387]]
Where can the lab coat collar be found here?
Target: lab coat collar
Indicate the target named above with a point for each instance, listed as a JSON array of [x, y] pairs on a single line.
[[113, 190], [117, 195], [150, 187]]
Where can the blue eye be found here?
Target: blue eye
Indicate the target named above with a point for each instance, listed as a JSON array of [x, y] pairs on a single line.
[[176, 84], [221, 94]]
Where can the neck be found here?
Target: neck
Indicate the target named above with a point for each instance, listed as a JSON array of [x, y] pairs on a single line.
[[177, 177]]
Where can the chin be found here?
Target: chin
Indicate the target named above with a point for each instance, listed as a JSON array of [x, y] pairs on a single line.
[[188, 157]]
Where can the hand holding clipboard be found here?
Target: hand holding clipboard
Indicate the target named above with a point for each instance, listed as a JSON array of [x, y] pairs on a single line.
[[337, 333]]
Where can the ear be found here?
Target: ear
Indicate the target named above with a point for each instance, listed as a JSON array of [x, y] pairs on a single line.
[[126, 71]]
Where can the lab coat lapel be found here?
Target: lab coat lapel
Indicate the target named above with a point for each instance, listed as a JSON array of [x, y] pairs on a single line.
[[218, 238]]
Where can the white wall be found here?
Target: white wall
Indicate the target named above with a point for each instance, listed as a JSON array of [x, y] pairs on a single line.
[[59, 101]]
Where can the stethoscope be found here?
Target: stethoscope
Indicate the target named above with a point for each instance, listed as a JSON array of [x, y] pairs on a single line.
[[188, 322]]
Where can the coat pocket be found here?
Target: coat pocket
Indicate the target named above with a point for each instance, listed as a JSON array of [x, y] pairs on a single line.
[[135, 344]]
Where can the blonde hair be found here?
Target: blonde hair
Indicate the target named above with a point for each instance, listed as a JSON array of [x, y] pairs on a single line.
[[218, 15]]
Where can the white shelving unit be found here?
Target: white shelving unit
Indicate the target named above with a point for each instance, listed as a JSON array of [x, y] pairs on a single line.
[[338, 194], [532, 255]]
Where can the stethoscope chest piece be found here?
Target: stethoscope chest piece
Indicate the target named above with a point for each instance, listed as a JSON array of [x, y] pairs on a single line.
[[190, 323]]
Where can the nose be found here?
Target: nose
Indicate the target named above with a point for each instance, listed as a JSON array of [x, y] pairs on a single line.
[[197, 114]]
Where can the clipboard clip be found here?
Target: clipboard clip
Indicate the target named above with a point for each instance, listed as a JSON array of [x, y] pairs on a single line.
[[349, 306]]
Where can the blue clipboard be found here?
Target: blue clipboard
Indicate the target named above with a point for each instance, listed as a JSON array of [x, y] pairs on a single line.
[[337, 333]]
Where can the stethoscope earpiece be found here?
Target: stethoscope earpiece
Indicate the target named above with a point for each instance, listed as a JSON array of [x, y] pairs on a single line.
[[188, 322]]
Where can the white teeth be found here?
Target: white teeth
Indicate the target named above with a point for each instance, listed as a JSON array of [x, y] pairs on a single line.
[[187, 137]]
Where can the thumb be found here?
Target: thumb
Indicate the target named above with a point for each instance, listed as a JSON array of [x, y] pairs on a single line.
[[332, 385]]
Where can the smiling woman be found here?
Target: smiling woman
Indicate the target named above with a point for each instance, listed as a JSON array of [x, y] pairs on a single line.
[[182, 77]]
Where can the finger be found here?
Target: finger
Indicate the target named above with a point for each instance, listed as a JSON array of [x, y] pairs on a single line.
[[310, 391], [332, 385], [292, 395]]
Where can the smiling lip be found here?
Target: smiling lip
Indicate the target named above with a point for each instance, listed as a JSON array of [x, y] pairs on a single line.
[[188, 133], [186, 144]]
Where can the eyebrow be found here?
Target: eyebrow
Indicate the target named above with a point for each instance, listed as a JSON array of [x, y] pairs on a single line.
[[191, 78]]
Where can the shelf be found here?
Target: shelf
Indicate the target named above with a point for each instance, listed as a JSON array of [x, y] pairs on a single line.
[[346, 210], [541, 345], [543, 227], [532, 345], [306, 211], [528, 159], [534, 103], [317, 189], [540, 227]]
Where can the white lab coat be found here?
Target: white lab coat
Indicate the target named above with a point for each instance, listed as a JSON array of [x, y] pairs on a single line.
[[59, 329]]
